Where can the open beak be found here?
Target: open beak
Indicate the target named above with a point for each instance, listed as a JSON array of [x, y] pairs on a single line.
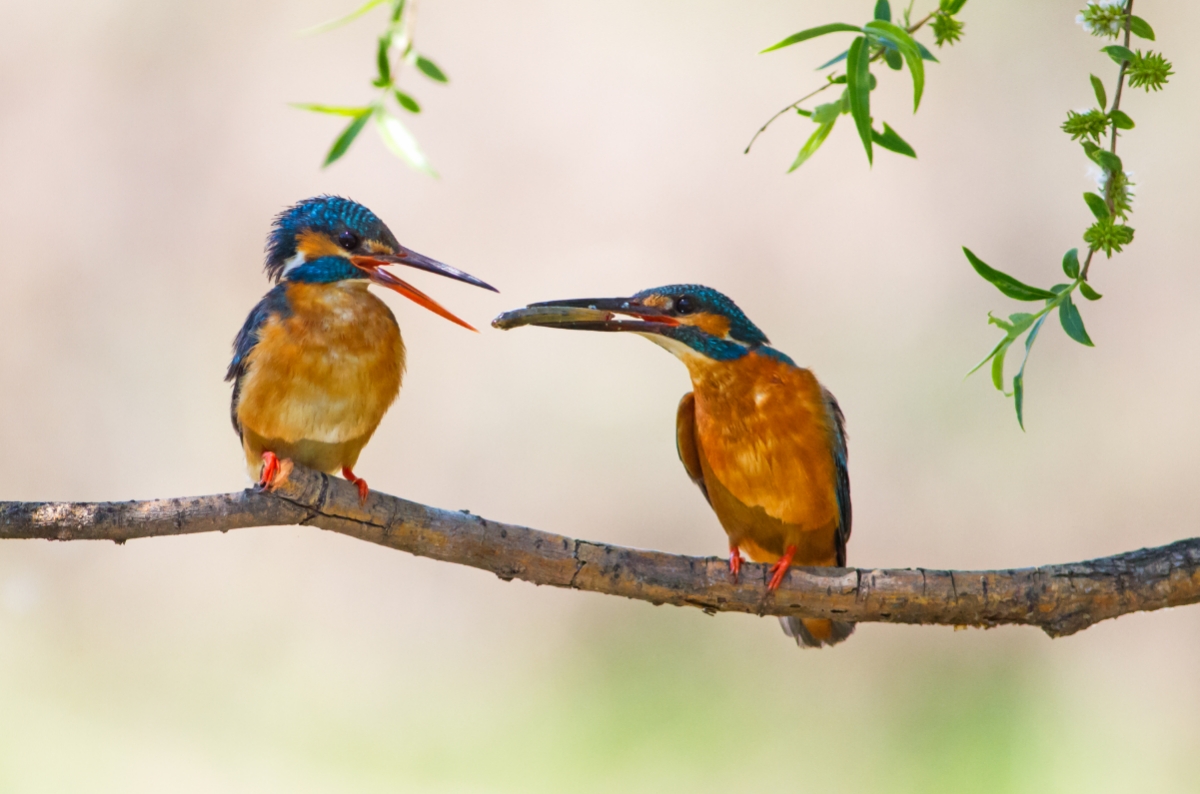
[[372, 265], [590, 314]]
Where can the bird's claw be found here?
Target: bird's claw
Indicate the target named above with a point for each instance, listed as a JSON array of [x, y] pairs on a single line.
[[780, 569], [275, 472], [359, 483], [735, 563]]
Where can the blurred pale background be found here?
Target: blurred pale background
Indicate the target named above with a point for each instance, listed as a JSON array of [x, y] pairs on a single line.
[[585, 149]]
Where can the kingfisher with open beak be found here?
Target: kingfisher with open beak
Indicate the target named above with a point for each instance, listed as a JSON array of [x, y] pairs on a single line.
[[763, 440], [320, 359]]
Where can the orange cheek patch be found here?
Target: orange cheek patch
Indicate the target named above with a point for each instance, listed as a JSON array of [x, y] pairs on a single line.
[[315, 245], [711, 324]]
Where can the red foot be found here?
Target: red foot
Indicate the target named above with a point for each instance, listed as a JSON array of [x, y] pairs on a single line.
[[363, 490], [780, 569], [735, 562], [269, 470]]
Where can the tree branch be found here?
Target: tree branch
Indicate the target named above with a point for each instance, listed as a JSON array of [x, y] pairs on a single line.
[[1060, 599]]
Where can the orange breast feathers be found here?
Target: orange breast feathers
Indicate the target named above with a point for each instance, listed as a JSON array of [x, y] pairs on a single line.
[[765, 431], [328, 371]]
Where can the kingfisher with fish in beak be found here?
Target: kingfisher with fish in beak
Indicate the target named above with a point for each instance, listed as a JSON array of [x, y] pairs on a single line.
[[761, 437], [320, 358]]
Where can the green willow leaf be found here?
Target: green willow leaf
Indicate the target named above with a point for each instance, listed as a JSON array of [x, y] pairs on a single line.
[[1072, 322], [333, 110], [1096, 205], [883, 10], [337, 23], [952, 6], [431, 70], [342, 144], [1107, 160], [812, 33], [1005, 283], [1098, 87], [858, 87], [1070, 263], [926, 55], [892, 58], [998, 364], [889, 140], [402, 143], [1086, 290], [407, 102], [383, 61], [1118, 53], [900, 38], [1140, 27], [1019, 378], [813, 143], [1121, 120], [823, 114]]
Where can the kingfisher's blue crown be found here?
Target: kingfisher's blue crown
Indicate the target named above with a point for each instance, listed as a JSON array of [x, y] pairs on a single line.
[[330, 215], [707, 300]]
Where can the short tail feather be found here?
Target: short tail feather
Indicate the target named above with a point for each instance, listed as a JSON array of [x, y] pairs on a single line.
[[816, 633]]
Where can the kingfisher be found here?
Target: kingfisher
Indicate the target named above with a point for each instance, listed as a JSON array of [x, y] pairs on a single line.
[[320, 358], [763, 440]]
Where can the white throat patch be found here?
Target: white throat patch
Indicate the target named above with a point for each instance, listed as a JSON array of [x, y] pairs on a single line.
[[293, 263]]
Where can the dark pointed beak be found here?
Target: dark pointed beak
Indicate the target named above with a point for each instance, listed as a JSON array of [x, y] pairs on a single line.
[[590, 314], [372, 265]]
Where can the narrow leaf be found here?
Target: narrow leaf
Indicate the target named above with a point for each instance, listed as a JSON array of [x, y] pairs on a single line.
[[1071, 263], [1096, 205], [926, 55], [892, 58], [383, 61], [813, 143], [431, 69], [823, 114], [1019, 378], [1088, 292], [397, 138], [342, 144], [892, 142], [1140, 27], [998, 365], [1098, 87], [883, 11], [858, 87], [1118, 53], [1121, 120], [1005, 283], [908, 48], [1072, 322], [337, 23], [407, 102], [832, 61], [812, 33], [1005, 342], [952, 6], [332, 110]]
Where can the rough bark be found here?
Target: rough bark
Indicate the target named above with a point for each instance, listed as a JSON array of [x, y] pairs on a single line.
[[1060, 599]]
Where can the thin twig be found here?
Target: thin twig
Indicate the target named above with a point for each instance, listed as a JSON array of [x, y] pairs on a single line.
[[1060, 599]]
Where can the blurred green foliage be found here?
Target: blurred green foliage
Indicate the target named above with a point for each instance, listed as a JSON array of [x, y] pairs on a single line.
[[394, 49]]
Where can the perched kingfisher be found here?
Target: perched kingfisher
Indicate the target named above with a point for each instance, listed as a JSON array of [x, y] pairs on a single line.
[[763, 440], [320, 359]]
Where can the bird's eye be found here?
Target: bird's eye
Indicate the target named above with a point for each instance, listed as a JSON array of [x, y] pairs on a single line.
[[684, 305], [349, 240]]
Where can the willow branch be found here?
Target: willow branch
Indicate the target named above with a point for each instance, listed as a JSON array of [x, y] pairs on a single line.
[[1060, 599]]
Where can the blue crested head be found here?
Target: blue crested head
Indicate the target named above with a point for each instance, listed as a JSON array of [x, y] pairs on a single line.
[[704, 306], [329, 239], [324, 228]]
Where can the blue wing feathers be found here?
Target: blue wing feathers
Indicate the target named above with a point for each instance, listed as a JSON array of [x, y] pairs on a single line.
[[274, 302], [840, 458]]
